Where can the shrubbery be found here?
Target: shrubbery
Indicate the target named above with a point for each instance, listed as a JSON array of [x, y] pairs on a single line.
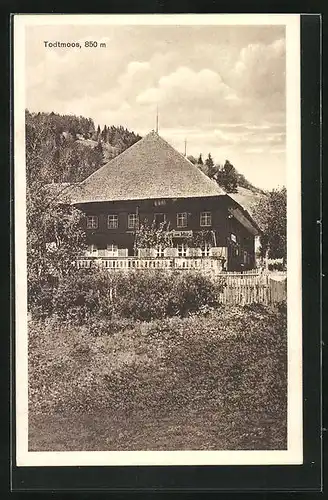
[[73, 297], [78, 298], [147, 296], [142, 295], [276, 266], [40, 296]]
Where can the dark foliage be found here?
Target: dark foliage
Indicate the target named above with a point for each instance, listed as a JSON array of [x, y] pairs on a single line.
[[67, 148], [276, 266], [271, 213], [210, 167], [227, 177], [140, 295], [154, 295], [78, 298]]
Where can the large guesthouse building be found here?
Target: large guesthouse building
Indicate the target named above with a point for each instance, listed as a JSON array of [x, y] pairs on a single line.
[[152, 185]]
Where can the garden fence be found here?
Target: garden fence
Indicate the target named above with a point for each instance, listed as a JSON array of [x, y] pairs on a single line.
[[260, 289], [247, 287]]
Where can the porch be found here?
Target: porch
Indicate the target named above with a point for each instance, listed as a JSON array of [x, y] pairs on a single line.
[[213, 264]]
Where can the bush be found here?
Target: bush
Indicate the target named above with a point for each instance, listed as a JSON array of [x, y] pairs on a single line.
[[276, 266], [153, 295], [86, 294], [144, 295], [40, 295], [141, 295], [40, 299]]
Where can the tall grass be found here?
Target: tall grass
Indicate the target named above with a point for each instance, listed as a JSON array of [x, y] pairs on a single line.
[[217, 377]]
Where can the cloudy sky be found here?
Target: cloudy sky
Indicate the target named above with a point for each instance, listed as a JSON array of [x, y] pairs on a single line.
[[220, 87]]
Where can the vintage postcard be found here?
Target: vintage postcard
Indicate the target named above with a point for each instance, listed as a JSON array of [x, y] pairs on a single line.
[[157, 184]]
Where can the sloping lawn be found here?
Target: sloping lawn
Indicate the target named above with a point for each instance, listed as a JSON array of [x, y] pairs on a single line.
[[212, 381]]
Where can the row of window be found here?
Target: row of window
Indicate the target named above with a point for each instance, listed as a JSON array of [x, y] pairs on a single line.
[[182, 250], [205, 220]]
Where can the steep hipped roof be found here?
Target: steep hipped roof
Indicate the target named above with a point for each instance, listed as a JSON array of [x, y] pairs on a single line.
[[149, 169]]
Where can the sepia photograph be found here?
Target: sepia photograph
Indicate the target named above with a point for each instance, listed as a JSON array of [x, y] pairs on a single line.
[[157, 239]]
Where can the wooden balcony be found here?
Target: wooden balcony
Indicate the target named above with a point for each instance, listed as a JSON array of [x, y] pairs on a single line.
[[122, 263]]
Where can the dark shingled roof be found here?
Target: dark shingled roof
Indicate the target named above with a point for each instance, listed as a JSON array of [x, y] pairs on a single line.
[[149, 169]]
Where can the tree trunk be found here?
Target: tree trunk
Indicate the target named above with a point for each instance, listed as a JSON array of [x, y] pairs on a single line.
[[266, 259]]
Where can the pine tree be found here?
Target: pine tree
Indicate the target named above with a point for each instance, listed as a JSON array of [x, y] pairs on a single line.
[[99, 154], [200, 160], [104, 133], [211, 169], [227, 178]]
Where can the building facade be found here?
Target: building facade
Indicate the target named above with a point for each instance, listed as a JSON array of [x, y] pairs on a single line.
[[151, 184]]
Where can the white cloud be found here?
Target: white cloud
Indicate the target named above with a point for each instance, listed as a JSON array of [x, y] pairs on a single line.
[[150, 96], [186, 84], [136, 66], [134, 72], [249, 137], [224, 90], [260, 71]]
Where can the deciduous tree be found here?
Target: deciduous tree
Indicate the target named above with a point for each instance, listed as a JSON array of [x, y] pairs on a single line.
[[152, 235], [271, 213]]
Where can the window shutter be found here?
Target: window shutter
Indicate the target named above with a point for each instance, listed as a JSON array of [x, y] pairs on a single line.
[[122, 252]]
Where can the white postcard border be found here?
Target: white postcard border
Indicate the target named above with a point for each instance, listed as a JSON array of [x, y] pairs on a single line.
[[294, 453]]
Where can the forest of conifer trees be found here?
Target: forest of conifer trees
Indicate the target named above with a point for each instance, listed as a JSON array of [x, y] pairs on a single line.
[[68, 148]]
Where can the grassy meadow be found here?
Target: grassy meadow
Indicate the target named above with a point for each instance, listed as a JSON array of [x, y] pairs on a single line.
[[212, 380]]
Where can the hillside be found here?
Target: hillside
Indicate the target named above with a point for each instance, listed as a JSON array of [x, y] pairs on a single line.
[[231, 181], [68, 148], [109, 151]]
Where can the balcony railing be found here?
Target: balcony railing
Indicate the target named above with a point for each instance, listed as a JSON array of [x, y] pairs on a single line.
[[121, 263]]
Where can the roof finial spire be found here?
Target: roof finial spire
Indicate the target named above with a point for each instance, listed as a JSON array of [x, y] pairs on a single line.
[[157, 119]]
